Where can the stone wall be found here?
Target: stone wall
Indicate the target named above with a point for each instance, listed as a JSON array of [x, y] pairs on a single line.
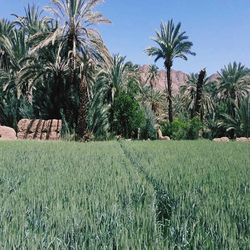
[[7, 133], [39, 129]]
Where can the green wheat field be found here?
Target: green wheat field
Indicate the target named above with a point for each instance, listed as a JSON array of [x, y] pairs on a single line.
[[124, 195]]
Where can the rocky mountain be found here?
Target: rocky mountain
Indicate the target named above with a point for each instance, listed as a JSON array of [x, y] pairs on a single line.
[[178, 78], [214, 77]]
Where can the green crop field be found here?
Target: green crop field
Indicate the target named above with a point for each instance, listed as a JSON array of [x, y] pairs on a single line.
[[124, 195]]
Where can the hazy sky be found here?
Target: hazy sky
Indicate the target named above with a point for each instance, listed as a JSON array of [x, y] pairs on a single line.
[[219, 29]]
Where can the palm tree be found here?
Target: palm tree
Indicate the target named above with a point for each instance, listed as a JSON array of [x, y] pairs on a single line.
[[111, 79], [152, 75], [234, 85], [199, 94], [240, 123], [47, 71], [172, 43], [152, 98], [188, 93], [6, 28], [33, 22], [79, 40], [13, 50]]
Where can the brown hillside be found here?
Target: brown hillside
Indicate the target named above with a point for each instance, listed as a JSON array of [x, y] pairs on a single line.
[[178, 78]]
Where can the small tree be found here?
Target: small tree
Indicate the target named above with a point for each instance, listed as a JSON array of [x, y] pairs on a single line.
[[128, 116]]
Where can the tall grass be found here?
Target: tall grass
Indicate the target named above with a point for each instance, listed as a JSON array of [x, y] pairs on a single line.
[[110, 195], [209, 187]]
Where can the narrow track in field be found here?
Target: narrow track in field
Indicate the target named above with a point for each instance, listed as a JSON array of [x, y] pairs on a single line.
[[163, 201]]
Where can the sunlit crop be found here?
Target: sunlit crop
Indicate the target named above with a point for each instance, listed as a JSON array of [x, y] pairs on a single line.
[[124, 195]]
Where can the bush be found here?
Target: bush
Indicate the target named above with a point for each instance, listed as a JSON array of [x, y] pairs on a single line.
[[175, 130], [182, 129], [149, 131], [128, 116], [194, 126]]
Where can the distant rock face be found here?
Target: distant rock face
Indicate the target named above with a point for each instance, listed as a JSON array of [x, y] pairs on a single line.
[[179, 78], [39, 129], [214, 77], [7, 133]]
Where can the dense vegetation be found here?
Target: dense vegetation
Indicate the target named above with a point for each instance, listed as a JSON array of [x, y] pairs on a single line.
[[112, 195], [55, 65], [118, 195]]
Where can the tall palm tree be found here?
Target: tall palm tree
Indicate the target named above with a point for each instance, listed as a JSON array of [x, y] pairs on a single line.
[[199, 94], [172, 43], [188, 93], [234, 85], [80, 39]]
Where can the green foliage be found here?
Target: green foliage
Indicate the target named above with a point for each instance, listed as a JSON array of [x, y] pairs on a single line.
[[57, 67], [211, 130], [240, 124], [148, 131], [133, 86], [188, 96], [234, 86], [99, 119], [113, 79], [128, 116], [183, 129], [152, 99], [194, 127], [53, 58], [13, 109], [171, 43], [175, 130]]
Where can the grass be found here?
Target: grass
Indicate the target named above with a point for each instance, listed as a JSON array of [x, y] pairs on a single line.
[[134, 195]]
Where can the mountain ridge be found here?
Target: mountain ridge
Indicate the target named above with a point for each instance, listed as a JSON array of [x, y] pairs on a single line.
[[178, 78]]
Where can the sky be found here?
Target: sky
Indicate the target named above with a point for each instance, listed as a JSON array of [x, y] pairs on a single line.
[[219, 29]]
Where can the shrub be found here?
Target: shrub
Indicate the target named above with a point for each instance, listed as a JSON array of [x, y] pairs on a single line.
[[182, 129], [128, 116], [194, 126], [176, 130], [149, 131]]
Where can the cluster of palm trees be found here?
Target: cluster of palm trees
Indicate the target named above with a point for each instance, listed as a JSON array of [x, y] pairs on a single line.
[[57, 66], [224, 104], [49, 61]]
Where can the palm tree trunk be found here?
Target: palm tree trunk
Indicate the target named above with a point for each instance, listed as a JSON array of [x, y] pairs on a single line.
[[197, 106], [170, 102], [72, 83], [233, 104], [83, 108], [152, 89]]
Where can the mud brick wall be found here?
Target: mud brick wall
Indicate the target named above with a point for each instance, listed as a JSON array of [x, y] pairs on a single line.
[[39, 129]]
